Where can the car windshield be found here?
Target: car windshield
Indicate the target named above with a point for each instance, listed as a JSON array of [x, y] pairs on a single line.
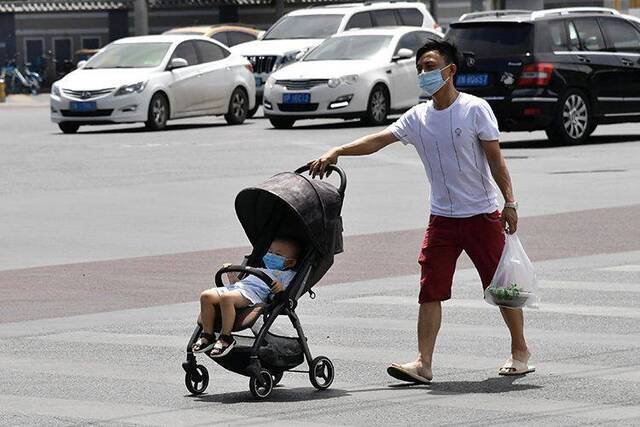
[[492, 40], [349, 48], [129, 55], [304, 27]]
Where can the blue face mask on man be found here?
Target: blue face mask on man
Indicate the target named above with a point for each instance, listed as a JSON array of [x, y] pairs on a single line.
[[431, 81], [273, 261]]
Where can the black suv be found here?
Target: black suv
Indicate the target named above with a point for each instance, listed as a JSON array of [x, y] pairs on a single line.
[[561, 70]]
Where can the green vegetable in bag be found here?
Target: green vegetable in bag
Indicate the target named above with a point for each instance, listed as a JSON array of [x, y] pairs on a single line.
[[505, 293]]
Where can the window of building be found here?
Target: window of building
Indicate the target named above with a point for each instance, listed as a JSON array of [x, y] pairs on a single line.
[[33, 50], [91, 43]]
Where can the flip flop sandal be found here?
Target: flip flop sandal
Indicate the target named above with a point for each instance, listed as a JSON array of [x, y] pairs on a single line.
[[221, 348], [200, 346], [515, 367], [409, 375]]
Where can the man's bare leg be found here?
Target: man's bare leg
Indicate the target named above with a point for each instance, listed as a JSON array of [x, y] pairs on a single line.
[[515, 322], [429, 319]]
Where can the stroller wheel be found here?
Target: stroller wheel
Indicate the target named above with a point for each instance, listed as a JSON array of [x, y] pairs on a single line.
[[197, 379], [262, 386], [277, 377], [321, 372]]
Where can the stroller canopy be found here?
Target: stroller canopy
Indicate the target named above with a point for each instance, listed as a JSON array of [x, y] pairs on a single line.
[[292, 205]]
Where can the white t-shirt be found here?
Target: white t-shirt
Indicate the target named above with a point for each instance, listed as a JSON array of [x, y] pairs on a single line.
[[449, 143]]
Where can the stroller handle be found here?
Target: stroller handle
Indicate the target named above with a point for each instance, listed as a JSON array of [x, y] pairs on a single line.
[[243, 269], [330, 168]]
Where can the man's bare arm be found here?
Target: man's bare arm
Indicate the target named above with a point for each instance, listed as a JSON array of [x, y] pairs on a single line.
[[500, 174], [360, 147]]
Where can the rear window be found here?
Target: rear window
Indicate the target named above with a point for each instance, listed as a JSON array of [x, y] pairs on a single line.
[[492, 39], [411, 17]]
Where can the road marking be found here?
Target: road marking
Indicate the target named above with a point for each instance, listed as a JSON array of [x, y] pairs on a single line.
[[629, 268], [568, 309]]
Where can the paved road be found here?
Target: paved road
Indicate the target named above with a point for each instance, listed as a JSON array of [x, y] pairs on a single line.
[[107, 236]]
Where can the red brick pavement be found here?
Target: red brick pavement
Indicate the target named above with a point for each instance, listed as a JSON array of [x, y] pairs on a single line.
[[55, 291]]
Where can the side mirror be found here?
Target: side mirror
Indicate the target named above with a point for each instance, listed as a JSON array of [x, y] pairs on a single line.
[[261, 35], [403, 53], [178, 63], [301, 54], [81, 64]]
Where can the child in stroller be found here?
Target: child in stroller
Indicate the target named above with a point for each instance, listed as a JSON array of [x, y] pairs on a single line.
[[308, 211], [279, 260]]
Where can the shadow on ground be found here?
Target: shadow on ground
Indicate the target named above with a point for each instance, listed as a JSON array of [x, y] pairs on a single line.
[[279, 394], [142, 129], [488, 386]]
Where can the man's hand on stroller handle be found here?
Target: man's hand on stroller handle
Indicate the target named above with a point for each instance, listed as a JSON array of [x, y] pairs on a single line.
[[319, 166]]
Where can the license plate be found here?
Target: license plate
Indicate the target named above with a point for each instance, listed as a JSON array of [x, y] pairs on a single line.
[[296, 98], [259, 81], [83, 106], [472, 80]]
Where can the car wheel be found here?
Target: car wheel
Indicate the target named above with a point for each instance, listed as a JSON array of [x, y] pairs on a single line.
[[377, 107], [158, 112], [573, 122], [282, 122], [238, 107], [252, 112], [69, 127]]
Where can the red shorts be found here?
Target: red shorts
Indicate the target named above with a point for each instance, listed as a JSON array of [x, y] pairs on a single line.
[[480, 236]]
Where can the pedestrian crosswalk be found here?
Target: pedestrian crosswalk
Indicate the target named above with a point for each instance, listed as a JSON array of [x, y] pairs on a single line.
[[123, 367]]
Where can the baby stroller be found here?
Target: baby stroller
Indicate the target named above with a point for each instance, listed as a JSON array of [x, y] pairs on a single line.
[[308, 210]]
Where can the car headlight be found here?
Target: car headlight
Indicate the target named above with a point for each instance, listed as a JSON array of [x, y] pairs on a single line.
[[271, 81], [350, 79], [288, 58], [55, 90], [129, 89]]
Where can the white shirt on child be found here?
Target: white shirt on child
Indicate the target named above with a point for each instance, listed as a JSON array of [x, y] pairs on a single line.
[[449, 144]]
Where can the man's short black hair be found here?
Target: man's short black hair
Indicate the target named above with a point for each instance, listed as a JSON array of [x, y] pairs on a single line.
[[448, 50]]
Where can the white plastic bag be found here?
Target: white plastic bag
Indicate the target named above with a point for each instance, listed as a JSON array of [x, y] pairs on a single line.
[[514, 284]]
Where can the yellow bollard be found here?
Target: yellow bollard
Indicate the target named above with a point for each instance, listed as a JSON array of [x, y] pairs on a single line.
[[3, 95]]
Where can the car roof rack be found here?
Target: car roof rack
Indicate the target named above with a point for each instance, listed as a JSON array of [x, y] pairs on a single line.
[[573, 10], [492, 14]]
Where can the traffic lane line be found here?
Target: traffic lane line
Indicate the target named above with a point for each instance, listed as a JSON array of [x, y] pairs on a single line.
[[45, 292]]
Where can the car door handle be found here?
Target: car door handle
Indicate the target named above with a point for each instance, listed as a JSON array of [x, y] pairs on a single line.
[[627, 62], [583, 59]]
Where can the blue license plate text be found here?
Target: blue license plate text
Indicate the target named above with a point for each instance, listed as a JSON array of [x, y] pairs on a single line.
[[296, 98], [472, 80], [83, 106]]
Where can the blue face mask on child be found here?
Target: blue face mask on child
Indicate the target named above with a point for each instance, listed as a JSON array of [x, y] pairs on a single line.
[[431, 81], [273, 261]]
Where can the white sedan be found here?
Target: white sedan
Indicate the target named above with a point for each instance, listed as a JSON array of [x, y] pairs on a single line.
[[152, 79], [365, 74]]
